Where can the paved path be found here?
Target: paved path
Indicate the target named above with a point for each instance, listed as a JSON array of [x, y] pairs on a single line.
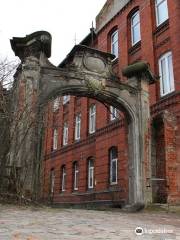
[[18, 223]]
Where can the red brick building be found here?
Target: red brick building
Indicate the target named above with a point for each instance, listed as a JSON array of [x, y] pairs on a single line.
[[85, 147]]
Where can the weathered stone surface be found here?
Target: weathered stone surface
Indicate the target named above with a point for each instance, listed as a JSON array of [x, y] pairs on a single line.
[[85, 72], [110, 9], [32, 45]]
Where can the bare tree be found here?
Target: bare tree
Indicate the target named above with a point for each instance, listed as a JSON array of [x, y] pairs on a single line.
[[7, 69], [18, 130]]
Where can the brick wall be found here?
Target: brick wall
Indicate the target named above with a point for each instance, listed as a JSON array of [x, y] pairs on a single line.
[[96, 146], [155, 41]]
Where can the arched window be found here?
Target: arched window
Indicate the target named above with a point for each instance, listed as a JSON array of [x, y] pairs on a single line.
[[166, 74], [135, 28], [113, 113], [56, 103], [113, 159], [90, 173], [52, 181], [92, 118], [63, 178], [55, 139], [78, 126], [66, 99], [75, 175], [114, 43], [161, 11], [65, 134]]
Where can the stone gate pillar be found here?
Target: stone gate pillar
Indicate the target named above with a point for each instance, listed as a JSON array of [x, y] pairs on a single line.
[[139, 76], [33, 51]]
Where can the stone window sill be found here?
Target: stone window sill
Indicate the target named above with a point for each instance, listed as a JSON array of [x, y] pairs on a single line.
[[161, 28], [135, 48]]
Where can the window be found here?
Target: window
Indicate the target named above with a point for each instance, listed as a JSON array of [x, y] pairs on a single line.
[[92, 118], [114, 43], [63, 179], [113, 154], [55, 139], [56, 104], [65, 134], [52, 181], [166, 74], [66, 98], [161, 11], [78, 127], [113, 113], [76, 173], [135, 28], [90, 173]]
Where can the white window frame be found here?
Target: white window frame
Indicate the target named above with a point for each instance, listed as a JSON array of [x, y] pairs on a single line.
[[113, 113], [52, 181], [56, 103], [76, 173], [133, 25], [78, 127], [66, 99], [166, 84], [65, 134], [90, 174], [55, 139], [92, 118], [112, 160], [157, 5], [63, 183], [114, 42]]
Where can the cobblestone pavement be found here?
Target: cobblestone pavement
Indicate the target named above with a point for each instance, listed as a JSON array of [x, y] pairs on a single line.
[[20, 223]]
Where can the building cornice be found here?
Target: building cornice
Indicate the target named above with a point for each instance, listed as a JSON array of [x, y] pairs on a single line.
[[109, 12]]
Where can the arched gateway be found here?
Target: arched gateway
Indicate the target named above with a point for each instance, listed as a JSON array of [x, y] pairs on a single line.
[[88, 72]]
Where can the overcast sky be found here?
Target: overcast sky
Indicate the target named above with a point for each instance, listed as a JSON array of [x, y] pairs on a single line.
[[62, 18]]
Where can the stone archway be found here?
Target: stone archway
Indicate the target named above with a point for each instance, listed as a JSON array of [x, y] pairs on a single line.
[[88, 72]]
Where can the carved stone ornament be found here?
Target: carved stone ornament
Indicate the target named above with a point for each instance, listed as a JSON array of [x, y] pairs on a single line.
[[94, 64], [95, 86]]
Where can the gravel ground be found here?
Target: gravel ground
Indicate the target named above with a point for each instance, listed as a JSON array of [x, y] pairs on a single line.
[[29, 223]]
